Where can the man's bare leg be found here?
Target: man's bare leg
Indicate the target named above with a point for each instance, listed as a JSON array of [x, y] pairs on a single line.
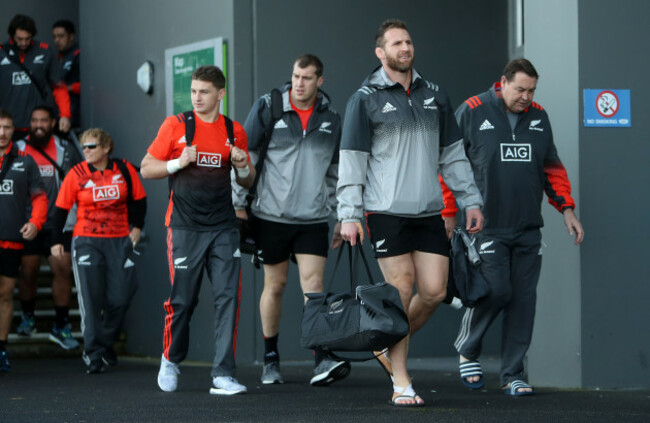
[[275, 280], [399, 271]]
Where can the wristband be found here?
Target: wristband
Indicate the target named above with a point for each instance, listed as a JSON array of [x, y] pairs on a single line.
[[173, 166], [243, 172]]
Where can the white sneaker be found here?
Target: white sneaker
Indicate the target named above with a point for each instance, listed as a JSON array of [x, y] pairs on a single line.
[[226, 385], [168, 375]]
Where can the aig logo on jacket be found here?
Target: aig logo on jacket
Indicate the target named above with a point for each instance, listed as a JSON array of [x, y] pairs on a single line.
[[20, 78], [7, 187], [208, 159], [105, 193], [46, 171], [516, 152]]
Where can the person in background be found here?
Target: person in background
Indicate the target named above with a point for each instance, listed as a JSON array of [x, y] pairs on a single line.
[[111, 206]]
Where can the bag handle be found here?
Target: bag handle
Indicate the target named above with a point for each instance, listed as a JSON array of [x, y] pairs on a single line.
[[352, 262]]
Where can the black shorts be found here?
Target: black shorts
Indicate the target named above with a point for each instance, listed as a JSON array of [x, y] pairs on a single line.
[[10, 262], [392, 236], [277, 241], [42, 244]]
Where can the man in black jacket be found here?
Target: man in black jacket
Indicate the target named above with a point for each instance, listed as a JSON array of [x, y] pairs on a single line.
[[509, 143]]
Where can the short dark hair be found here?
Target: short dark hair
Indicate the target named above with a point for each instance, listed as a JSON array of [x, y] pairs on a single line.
[[46, 108], [519, 65], [103, 138], [23, 22], [4, 114], [305, 60], [385, 26], [65, 24], [210, 73]]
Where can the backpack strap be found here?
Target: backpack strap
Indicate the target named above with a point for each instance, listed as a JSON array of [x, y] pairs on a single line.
[[124, 170], [6, 163], [190, 126], [230, 129], [276, 114], [58, 168]]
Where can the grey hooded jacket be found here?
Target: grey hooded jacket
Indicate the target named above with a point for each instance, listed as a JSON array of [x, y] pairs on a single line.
[[298, 180], [393, 146]]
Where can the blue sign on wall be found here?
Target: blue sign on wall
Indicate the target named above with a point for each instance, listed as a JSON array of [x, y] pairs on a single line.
[[608, 108]]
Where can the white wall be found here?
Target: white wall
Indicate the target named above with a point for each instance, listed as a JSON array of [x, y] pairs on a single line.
[[551, 44]]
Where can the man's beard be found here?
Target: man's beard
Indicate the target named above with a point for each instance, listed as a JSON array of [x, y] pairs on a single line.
[[395, 65], [39, 141]]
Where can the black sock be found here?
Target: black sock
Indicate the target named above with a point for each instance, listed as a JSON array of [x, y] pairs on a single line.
[[28, 307], [271, 349], [319, 355], [3, 345], [61, 316]]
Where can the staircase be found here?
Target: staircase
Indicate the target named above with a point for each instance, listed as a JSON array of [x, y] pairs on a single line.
[[39, 345]]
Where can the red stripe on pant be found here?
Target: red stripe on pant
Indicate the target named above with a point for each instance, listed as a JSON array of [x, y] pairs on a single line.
[[167, 333]]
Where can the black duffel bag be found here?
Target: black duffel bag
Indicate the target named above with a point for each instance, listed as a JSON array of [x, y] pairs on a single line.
[[466, 280], [369, 317]]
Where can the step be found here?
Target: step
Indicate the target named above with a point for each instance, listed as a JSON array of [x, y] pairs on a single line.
[[39, 345], [46, 313], [37, 337], [44, 291]]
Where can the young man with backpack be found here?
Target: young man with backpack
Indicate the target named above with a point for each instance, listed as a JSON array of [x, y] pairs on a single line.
[[297, 159], [202, 228]]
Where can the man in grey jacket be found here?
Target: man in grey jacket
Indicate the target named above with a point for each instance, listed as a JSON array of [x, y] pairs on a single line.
[[294, 198], [399, 132]]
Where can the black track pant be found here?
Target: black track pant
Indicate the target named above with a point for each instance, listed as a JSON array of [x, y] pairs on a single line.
[[104, 270], [190, 253], [511, 264]]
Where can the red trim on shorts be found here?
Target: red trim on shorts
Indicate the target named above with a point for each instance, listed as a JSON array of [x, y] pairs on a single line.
[[368, 227]]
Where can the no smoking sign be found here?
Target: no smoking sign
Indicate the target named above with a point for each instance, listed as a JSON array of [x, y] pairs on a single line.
[[607, 108]]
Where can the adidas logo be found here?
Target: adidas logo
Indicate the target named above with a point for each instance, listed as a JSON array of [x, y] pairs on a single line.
[[486, 125], [128, 263], [237, 253], [5, 61], [182, 140], [388, 108], [280, 124], [324, 127], [89, 184]]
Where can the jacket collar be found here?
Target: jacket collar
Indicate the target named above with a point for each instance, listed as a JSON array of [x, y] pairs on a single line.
[[378, 78], [322, 99]]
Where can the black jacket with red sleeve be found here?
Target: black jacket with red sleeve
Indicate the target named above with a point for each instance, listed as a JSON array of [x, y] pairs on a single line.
[[512, 168]]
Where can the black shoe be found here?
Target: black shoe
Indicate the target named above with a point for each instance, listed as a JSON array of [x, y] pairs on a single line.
[[329, 371], [109, 357], [95, 367]]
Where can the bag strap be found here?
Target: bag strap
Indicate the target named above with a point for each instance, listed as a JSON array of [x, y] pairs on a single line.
[[190, 127], [276, 114], [352, 262], [59, 169], [15, 60], [121, 165], [6, 163]]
